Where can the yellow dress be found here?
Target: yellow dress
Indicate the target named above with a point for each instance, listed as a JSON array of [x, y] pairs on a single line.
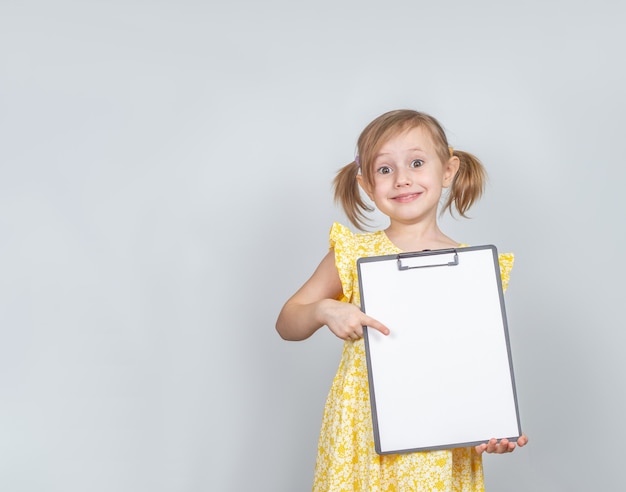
[[346, 459]]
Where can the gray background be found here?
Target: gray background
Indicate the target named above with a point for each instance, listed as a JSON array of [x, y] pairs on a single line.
[[165, 175]]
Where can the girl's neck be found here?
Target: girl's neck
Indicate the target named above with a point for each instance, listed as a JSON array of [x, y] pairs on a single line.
[[418, 237]]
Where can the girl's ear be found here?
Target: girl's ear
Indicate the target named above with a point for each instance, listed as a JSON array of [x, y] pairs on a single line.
[[364, 186], [450, 169]]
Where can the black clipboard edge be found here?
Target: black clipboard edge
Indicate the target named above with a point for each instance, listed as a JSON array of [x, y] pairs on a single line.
[[507, 340], [399, 256], [439, 448]]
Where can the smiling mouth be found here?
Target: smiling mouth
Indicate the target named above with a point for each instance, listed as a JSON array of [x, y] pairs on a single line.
[[408, 197]]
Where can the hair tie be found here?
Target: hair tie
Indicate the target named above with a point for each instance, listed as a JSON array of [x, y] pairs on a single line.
[[358, 161], [451, 151]]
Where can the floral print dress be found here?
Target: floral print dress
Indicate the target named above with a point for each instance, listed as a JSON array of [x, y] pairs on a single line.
[[346, 459]]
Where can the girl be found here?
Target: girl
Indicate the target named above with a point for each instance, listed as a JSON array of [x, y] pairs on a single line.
[[403, 164]]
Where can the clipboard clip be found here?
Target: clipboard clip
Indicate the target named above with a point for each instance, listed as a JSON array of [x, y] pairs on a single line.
[[426, 258]]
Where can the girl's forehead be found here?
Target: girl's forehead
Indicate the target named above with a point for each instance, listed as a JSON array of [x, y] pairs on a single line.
[[412, 137]]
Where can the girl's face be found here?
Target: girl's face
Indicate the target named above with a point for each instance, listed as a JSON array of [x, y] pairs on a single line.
[[409, 177]]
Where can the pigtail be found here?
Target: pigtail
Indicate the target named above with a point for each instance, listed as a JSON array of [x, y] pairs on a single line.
[[468, 184], [348, 195]]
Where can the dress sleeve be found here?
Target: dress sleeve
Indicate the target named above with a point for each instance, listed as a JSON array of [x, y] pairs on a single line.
[[342, 241], [506, 264]]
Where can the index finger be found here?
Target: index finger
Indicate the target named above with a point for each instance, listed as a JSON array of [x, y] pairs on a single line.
[[377, 325]]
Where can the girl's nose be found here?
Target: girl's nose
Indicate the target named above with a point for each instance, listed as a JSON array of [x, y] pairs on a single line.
[[403, 178]]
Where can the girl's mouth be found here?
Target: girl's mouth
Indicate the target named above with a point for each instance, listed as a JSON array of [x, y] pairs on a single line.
[[407, 197]]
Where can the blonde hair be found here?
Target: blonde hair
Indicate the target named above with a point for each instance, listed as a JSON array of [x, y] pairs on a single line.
[[467, 185]]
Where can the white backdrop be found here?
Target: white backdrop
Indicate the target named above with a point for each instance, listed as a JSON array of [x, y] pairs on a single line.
[[165, 174]]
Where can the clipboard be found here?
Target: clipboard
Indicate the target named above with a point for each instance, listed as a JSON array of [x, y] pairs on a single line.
[[443, 378]]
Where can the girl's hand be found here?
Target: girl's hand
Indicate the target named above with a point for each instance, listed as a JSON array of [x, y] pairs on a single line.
[[346, 320], [315, 304], [504, 446]]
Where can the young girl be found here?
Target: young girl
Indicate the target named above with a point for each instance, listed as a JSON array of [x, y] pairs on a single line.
[[403, 164]]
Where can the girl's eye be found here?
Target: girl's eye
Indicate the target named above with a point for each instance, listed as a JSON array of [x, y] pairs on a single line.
[[417, 163], [383, 170]]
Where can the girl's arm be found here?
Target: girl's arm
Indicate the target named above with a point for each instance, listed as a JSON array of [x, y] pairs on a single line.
[[314, 305]]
